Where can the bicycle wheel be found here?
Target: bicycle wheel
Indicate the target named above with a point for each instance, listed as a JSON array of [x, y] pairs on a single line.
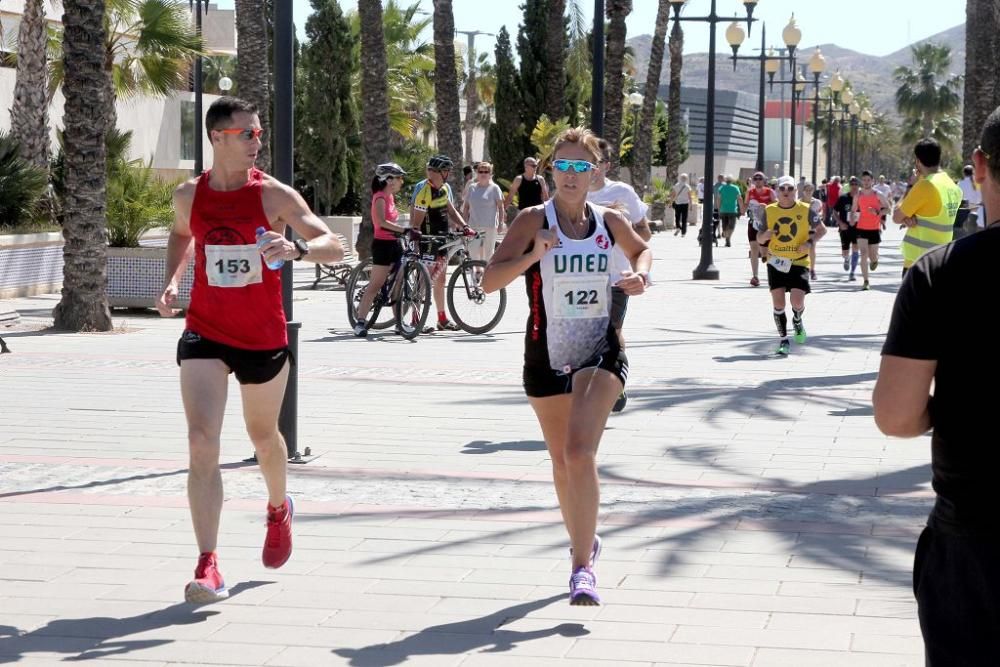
[[357, 282], [414, 303], [473, 309]]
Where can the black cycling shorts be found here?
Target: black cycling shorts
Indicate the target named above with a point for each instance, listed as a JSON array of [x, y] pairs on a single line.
[[249, 366], [385, 252], [542, 381]]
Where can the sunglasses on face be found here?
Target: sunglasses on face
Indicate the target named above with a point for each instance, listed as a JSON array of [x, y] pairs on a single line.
[[246, 133], [578, 166], [786, 188]]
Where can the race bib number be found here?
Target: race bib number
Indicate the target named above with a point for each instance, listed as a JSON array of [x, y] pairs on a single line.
[[232, 265], [782, 264], [581, 297]]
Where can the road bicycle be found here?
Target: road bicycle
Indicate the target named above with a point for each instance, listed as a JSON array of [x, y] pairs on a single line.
[[404, 300], [472, 309]]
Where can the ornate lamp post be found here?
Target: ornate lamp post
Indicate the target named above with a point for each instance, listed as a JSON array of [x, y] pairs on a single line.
[[199, 113], [846, 97], [855, 110], [735, 37], [817, 65], [836, 85], [791, 35], [706, 268]]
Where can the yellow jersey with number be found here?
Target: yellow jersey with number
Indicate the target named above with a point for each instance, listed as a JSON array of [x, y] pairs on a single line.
[[789, 230]]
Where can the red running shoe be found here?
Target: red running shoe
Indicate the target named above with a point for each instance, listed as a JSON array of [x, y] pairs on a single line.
[[278, 543], [754, 282], [207, 586]]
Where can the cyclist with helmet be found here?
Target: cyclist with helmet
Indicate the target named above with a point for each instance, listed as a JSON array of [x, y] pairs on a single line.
[[388, 180], [431, 208]]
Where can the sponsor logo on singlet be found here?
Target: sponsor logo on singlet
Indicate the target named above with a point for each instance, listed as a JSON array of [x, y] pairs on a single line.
[[592, 263]]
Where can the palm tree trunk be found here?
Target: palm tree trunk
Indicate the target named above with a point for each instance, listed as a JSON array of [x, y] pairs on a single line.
[[644, 133], [375, 134], [253, 69], [471, 106], [615, 78], [982, 89], [84, 303], [29, 117], [674, 103], [555, 77], [449, 131]]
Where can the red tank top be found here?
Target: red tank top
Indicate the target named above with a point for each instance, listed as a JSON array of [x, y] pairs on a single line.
[[764, 195], [868, 221], [249, 316]]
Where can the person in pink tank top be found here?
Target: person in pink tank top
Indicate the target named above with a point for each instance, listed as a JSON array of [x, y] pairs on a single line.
[[870, 206], [231, 220]]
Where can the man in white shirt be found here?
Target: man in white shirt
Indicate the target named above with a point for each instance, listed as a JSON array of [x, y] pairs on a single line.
[[619, 196], [885, 190], [968, 211]]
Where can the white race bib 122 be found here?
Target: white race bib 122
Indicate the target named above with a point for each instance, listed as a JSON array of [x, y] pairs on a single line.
[[232, 265], [580, 297]]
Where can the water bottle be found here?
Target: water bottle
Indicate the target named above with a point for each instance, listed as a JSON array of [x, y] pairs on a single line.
[[273, 265]]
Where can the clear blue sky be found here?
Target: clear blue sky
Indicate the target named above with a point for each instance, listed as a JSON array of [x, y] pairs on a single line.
[[867, 26]]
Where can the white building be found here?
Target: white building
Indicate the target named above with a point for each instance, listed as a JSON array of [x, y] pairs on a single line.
[[162, 128]]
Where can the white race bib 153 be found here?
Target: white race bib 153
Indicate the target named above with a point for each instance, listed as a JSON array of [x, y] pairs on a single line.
[[232, 265]]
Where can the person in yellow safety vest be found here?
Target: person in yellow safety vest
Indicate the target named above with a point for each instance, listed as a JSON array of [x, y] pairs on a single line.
[[929, 209]]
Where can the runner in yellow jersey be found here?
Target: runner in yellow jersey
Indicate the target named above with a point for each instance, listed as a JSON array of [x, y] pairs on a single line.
[[791, 231], [930, 207]]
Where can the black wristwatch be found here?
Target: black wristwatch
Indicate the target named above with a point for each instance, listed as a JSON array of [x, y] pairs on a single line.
[[302, 247]]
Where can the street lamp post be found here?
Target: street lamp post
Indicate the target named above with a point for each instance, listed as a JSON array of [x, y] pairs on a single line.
[[735, 37], [791, 35], [199, 165], [846, 97], [836, 85], [817, 65], [635, 101], [706, 268], [855, 112]]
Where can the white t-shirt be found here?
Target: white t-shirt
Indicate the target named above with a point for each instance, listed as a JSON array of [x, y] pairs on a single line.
[[969, 192], [682, 193], [616, 194], [701, 191], [883, 189]]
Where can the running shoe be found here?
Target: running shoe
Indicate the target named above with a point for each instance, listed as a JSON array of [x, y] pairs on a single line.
[[800, 331], [728, 243], [620, 403], [207, 585], [812, 275], [447, 325], [851, 277], [865, 286], [874, 264], [595, 553], [278, 543], [784, 348], [360, 330], [847, 264], [583, 588], [754, 282]]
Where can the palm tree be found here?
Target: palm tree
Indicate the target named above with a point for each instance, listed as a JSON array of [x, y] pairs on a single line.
[[928, 96], [982, 89], [446, 90], [84, 303], [375, 102], [555, 77], [148, 47], [644, 133], [674, 139], [486, 90], [252, 66], [614, 85], [29, 117]]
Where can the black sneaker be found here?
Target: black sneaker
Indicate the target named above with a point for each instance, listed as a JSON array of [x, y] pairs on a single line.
[[620, 403], [359, 330]]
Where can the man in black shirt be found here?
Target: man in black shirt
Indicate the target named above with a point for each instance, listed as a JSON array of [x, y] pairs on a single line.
[[530, 187], [956, 574], [846, 223]]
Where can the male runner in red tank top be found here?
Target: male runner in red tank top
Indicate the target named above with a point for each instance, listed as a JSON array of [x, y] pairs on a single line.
[[236, 322]]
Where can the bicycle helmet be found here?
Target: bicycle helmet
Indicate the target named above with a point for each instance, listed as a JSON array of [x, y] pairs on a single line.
[[387, 169], [440, 163]]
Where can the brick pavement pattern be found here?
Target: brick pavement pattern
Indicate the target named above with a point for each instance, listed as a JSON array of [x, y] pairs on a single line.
[[752, 513]]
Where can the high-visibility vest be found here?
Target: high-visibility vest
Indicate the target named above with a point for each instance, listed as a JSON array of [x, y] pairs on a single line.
[[934, 230]]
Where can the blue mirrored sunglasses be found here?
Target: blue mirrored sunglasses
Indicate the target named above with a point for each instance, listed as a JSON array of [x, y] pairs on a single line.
[[578, 166]]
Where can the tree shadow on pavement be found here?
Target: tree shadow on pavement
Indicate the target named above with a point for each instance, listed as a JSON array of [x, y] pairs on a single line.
[[485, 632], [97, 637], [488, 447]]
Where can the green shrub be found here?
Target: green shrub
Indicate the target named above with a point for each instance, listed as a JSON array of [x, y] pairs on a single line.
[[22, 187], [137, 202]]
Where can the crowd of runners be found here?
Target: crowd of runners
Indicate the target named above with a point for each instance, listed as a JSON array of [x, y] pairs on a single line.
[[582, 250]]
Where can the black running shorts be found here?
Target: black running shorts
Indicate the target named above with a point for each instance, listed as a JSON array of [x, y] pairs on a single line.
[[385, 252], [796, 278], [873, 236], [249, 366], [542, 381], [848, 237]]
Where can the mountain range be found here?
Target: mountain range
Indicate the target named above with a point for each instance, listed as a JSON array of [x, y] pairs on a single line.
[[871, 74]]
